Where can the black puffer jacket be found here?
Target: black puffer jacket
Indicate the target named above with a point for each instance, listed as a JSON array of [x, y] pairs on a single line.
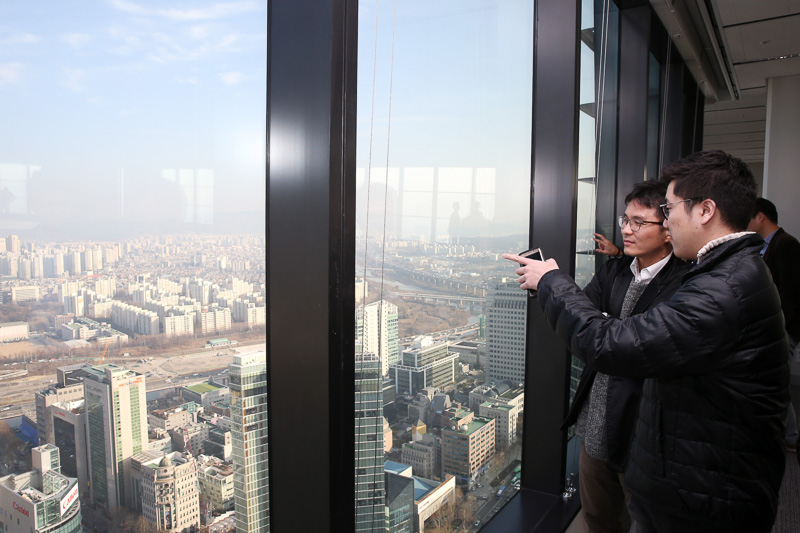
[[708, 442], [607, 292]]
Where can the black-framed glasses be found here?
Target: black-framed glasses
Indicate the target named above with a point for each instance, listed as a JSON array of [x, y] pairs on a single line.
[[665, 208], [635, 223]]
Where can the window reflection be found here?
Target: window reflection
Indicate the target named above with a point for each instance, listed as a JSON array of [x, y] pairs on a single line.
[[443, 188], [596, 140], [132, 239]]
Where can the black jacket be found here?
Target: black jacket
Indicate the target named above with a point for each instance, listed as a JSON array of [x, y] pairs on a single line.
[[607, 292], [783, 259], [708, 442]]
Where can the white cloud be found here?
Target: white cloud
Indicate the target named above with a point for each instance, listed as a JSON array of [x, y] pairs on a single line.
[[213, 11], [21, 38], [9, 72], [199, 32], [77, 40], [73, 79], [129, 112], [231, 78]]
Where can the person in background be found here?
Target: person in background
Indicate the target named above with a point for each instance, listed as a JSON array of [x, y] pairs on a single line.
[[604, 408], [708, 452], [781, 252]]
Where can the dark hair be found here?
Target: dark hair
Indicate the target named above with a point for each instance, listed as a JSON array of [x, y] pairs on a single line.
[[718, 176], [649, 193], [767, 208]]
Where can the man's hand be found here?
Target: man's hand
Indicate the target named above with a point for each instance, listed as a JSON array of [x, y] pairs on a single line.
[[604, 246], [530, 271]]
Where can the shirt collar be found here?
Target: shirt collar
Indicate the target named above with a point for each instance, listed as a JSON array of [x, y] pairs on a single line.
[[648, 273], [716, 242], [767, 240]]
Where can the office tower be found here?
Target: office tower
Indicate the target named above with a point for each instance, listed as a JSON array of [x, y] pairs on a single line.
[[42, 500], [376, 332], [400, 502], [215, 478], [506, 312], [117, 418], [467, 447], [424, 364], [248, 385], [165, 490], [68, 420], [369, 478], [12, 244], [502, 402]]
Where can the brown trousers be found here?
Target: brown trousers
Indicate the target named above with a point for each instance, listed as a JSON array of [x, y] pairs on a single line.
[[603, 496]]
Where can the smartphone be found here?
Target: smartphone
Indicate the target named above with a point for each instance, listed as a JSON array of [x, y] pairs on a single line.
[[533, 253]]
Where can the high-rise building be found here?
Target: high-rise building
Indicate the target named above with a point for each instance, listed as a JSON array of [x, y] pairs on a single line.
[[425, 364], [376, 332], [42, 500], [165, 490], [116, 410], [12, 244], [467, 447], [400, 502], [369, 476], [69, 436], [506, 312], [215, 478], [248, 386]]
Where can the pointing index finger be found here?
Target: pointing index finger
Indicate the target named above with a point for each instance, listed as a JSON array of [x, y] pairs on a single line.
[[516, 258]]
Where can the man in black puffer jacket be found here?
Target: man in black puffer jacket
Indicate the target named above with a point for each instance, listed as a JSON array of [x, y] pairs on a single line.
[[604, 409], [708, 451]]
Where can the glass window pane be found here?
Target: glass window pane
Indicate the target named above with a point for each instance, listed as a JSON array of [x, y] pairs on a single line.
[[451, 113], [132, 255], [595, 138]]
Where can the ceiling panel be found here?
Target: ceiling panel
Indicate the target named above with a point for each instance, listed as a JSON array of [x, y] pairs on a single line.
[[755, 74], [732, 138], [764, 40], [741, 11], [747, 98], [758, 126], [736, 115]]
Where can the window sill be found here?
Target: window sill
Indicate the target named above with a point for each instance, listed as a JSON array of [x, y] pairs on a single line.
[[534, 512]]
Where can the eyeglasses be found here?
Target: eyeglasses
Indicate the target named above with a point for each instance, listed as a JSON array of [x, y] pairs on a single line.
[[665, 208], [635, 223]]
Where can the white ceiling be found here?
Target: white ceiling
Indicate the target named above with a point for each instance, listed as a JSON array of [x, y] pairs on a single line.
[[752, 40]]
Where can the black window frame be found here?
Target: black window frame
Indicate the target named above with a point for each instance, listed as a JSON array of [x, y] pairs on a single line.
[[311, 124]]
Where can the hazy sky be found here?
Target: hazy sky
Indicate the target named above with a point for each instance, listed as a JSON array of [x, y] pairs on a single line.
[[458, 76], [132, 112], [460, 99]]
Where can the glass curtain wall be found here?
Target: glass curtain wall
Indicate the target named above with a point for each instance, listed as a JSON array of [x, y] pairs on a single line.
[[132, 207], [654, 93], [596, 150], [443, 188]]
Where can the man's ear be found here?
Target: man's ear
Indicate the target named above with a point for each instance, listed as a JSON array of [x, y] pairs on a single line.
[[708, 209]]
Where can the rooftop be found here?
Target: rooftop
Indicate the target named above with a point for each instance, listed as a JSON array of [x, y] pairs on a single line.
[[200, 388]]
